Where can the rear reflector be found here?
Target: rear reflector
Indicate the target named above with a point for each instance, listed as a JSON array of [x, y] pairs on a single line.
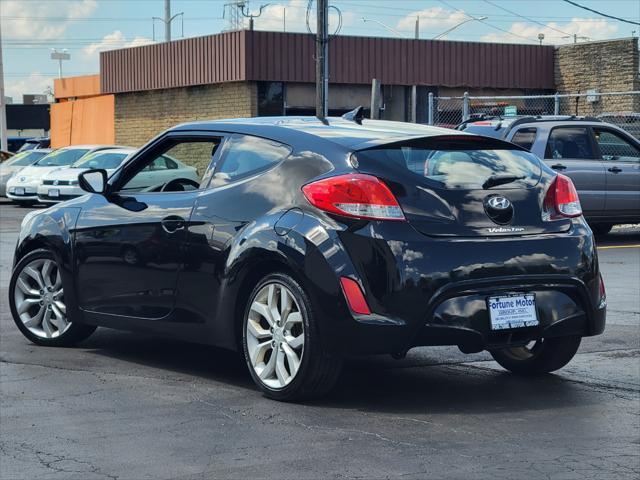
[[561, 200], [354, 195], [354, 296], [602, 292]]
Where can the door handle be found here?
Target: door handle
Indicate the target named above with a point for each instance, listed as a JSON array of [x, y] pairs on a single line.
[[172, 223], [559, 166], [614, 169]]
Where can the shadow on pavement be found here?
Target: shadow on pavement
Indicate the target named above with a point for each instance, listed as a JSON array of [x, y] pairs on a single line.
[[436, 389]]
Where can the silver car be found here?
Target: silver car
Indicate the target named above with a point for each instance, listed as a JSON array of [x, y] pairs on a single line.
[[602, 160], [16, 163]]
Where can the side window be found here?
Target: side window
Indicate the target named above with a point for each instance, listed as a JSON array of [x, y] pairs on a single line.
[[245, 156], [569, 142], [614, 147], [177, 166], [525, 137]]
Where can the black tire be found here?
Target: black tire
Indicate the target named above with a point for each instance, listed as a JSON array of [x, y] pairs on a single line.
[[546, 355], [26, 204], [601, 228], [73, 334], [319, 370]]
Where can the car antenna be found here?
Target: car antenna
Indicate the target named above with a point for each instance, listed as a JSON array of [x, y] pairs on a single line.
[[355, 115]]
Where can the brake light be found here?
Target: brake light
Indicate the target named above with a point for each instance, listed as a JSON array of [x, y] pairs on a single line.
[[354, 195], [354, 296], [561, 200]]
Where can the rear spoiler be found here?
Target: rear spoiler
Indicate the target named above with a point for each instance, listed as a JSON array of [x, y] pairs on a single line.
[[447, 141]]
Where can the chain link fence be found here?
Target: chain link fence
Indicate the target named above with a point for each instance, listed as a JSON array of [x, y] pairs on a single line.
[[619, 108]]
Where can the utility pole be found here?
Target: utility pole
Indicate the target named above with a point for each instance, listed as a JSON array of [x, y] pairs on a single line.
[[322, 60], [167, 20], [3, 106], [417, 36]]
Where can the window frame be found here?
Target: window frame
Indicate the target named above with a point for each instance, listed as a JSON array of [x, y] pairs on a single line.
[[624, 136], [590, 137], [158, 147]]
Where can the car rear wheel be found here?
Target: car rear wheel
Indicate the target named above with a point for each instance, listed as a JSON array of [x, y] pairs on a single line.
[[37, 302], [281, 343], [541, 356]]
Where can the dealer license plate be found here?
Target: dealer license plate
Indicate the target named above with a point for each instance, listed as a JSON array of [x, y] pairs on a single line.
[[512, 311], [54, 192]]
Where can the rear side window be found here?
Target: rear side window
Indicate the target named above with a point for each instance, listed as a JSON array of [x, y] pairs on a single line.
[[525, 137], [460, 165], [245, 156], [569, 142]]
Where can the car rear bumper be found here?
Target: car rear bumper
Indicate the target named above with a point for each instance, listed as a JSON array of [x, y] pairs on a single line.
[[425, 291]]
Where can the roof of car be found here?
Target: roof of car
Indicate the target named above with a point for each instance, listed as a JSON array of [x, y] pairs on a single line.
[[347, 133], [123, 150]]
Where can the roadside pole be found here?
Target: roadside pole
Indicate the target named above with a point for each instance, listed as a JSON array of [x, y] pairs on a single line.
[[322, 60], [167, 20], [3, 106]]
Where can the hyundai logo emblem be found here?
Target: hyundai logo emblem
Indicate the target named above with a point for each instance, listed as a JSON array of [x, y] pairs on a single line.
[[55, 182], [22, 179], [498, 203]]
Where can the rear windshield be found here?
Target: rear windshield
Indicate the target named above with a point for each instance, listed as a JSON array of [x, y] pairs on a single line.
[[456, 165], [106, 160], [62, 158]]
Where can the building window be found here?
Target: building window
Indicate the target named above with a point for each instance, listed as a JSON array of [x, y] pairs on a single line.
[[270, 99]]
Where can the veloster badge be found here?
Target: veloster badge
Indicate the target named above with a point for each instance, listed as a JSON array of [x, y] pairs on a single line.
[[505, 229]]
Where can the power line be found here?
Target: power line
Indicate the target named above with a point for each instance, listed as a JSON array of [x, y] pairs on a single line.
[[526, 18], [600, 13], [485, 22]]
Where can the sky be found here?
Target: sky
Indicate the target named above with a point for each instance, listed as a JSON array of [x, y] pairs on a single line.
[[31, 28]]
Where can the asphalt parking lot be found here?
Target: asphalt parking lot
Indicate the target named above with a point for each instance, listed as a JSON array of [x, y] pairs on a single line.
[[131, 406]]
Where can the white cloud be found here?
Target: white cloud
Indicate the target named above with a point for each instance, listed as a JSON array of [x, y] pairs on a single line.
[[593, 29], [431, 18], [273, 17], [52, 18], [34, 83], [112, 41]]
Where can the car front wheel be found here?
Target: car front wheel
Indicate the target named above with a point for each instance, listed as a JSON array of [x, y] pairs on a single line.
[[37, 302], [541, 356], [281, 343]]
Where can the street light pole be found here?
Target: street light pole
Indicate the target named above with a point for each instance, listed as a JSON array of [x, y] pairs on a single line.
[[60, 55], [167, 20], [387, 27], [3, 106], [322, 60], [470, 19]]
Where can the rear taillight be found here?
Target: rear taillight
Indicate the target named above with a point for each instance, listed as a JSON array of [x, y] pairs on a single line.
[[561, 200], [354, 195]]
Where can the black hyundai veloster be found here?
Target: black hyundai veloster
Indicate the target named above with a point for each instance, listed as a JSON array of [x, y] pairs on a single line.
[[305, 241]]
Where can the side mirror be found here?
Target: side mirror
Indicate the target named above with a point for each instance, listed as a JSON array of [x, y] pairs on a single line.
[[93, 181]]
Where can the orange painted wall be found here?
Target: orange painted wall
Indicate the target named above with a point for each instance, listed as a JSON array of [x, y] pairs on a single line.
[[76, 87], [83, 121]]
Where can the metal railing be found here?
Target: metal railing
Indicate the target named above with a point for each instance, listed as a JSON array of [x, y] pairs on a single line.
[[619, 108]]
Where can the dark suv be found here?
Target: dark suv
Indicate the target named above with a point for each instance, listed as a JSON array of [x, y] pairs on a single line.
[[602, 160]]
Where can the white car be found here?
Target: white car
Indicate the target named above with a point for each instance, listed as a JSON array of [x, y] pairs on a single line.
[[18, 162], [60, 185], [23, 188]]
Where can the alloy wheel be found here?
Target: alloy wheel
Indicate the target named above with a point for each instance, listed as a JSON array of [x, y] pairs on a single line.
[[39, 299], [275, 335]]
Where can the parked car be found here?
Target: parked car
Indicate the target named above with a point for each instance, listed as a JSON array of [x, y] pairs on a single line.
[[15, 143], [38, 142], [62, 184], [23, 188], [16, 163], [602, 160], [305, 241]]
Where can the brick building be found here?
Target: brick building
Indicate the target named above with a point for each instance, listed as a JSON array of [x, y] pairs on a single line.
[[249, 73]]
